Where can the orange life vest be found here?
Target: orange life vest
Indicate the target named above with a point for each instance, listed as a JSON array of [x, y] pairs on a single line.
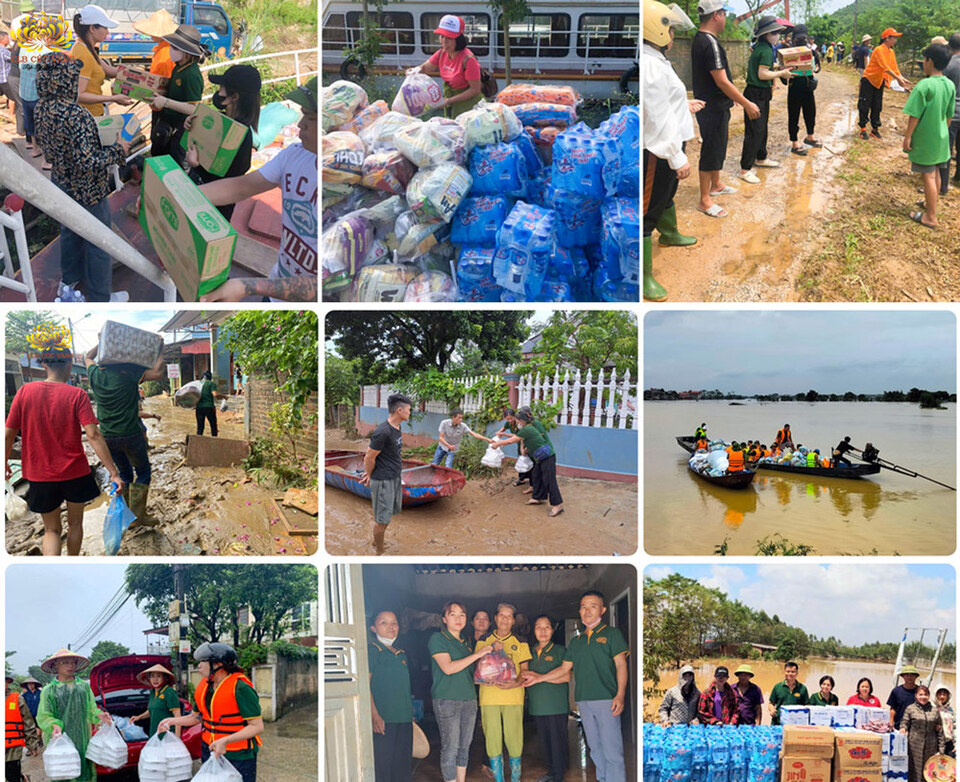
[[701, 443], [14, 736], [736, 461], [224, 717]]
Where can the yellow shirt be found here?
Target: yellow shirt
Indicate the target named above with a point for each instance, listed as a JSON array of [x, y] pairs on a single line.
[[490, 694], [93, 72]]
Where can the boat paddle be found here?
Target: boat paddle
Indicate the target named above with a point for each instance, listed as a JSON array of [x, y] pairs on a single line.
[[871, 456]]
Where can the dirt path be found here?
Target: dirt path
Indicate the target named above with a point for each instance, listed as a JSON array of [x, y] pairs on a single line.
[[486, 517], [770, 247]]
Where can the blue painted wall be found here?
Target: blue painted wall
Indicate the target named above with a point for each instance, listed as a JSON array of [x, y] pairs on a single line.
[[580, 447]]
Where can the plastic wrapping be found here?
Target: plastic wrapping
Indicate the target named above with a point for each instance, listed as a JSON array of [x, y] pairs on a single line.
[[177, 756], [528, 149], [16, 506], [543, 136], [496, 666], [188, 394], [523, 464], [341, 157], [344, 247], [498, 169], [340, 101], [365, 117], [384, 283], [431, 287], [578, 217], [218, 769], [624, 128], [123, 344], [61, 759], [388, 171], [436, 141], [489, 123], [437, 192], [417, 95], [546, 115], [107, 747], [493, 458], [524, 245], [586, 162], [621, 239], [152, 765], [118, 519], [378, 137], [416, 237], [516, 94], [478, 219]]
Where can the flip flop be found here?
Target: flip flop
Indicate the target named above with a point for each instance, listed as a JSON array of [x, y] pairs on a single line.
[[815, 144], [726, 190], [917, 217], [714, 211], [554, 513], [798, 151]]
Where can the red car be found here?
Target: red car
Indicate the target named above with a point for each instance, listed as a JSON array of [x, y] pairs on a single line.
[[117, 691]]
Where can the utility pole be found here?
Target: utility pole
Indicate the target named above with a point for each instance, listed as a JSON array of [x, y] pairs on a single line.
[[179, 626], [856, 7]]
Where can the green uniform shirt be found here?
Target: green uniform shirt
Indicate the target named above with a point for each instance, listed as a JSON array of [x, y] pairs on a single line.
[[248, 702], [160, 706], [186, 84], [932, 100], [390, 682], [781, 695], [459, 686], [817, 700], [534, 438], [594, 670], [118, 400], [206, 394], [762, 55], [548, 697]]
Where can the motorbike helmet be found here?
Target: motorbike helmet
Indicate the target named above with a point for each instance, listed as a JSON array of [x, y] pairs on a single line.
[[659, 18]]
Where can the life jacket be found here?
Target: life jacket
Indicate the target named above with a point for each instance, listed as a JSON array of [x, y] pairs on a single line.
[[702, 443], [224, 717], [824, 462], [14, 736], [811, 459], [736, 461]]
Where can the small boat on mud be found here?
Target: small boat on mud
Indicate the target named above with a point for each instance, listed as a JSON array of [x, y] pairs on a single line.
[[421, 482], [730, 480]]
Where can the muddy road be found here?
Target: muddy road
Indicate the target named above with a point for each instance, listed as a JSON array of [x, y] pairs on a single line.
[[199, 510], [489, 517]]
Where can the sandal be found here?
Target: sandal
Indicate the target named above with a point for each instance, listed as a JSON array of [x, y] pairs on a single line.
[[555, 512], [815, 144], [917, 217], [725, 190], [534, 502], [518, 482], [798, 151], [714, 211]]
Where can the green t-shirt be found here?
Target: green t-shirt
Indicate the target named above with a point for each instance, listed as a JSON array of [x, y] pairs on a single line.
[[534, 438], [548, 697], [390, 682], [456, 687], [248, 702], [781, 695], [160, 706], [762, 55], [594, 670], [932, 101], [206, 394], [817, 700], [118, 399], [186, 84]]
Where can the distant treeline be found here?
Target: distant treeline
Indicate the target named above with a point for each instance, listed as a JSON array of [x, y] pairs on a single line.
[[919, 396], [684, 620]]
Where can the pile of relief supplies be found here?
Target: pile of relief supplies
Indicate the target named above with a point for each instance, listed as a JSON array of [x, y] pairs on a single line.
[[707, 753], [513, 201], [713, 461]]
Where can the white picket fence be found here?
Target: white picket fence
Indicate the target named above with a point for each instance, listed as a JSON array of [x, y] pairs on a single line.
[[604, 401]]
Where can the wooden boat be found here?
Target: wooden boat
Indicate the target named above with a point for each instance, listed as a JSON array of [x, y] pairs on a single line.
[[854, 471], [421, 482], [732, 480]]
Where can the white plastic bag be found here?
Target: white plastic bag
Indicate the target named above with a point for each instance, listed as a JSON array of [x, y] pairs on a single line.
[[218, 769], [16, 506], [417, 95], [152, 766], [107, 747], [223, 406], [179, 762], [523, 464], [189, 394], [493, 457], [61, 759]]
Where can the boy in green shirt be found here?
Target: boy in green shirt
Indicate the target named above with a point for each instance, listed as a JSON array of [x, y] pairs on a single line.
[[927, 141]]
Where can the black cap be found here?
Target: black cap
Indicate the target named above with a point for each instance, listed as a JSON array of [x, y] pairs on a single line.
[[238, 78], [721, 671]]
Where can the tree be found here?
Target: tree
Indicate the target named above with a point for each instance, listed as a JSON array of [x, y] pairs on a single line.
[[587, 340], [20, 323], [849, 396], [104, 650], [39, 674], [6, 662], [388, 345], [341, 386], [812, 396], [510, 11]]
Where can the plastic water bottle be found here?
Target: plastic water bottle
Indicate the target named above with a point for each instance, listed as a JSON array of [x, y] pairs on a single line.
[[478, 219], [525, 243], [70, 295], [621, 239]]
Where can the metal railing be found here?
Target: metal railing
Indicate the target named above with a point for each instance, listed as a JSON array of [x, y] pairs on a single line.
[[297, 73]]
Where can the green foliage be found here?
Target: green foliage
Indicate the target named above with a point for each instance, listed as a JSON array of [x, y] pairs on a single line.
[[105, 650], [431, 385], [39, 674], [6, 662], [256, 654], [587, 339], [20, 323], [778, 546], [272, 462], [546, 413], [495, 398], [153, 387], [341, 386]]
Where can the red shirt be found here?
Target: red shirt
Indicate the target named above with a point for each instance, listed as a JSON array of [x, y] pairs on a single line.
[[856, 700], [49, 417], [452, 68]]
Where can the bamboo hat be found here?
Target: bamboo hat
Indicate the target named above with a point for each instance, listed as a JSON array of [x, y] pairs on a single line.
[[940, 768], [30, 680], [142, 677], [157, 25], [49, 665], [421, 746]]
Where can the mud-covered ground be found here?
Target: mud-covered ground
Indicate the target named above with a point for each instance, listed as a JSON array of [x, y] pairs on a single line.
[[199, 510], [489, 517]]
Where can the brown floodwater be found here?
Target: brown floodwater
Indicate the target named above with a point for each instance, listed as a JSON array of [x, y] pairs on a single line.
[[887, 513], [845, 672]]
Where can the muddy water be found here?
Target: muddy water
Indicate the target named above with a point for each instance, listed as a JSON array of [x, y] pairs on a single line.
[[846, 673], [489, 517], [888, 512]]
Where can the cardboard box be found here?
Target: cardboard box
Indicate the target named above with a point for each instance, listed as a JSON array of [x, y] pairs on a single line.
[[800, 769], [858, 775], [117, 126], [138, 84], [794, 715], [821, 715], [808, 741], [798, 59], [194, 241], [859, 750], [123, 344], [216, 137]]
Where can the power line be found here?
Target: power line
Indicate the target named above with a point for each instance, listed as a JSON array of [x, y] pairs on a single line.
[[109, 611]]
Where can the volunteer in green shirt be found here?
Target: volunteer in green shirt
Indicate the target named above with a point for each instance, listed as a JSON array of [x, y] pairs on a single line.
[[453, 693], [759, 90], [391, 701], [116, 391], [184, 92], [549, 702], [206, 409], [533, 434], [789, 692], [825, 697], [164, 701], [598, 659]]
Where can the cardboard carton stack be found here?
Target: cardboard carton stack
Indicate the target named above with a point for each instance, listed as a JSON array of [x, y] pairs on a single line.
[[816, 753], [807, 752], [894, 760], [858, 756]]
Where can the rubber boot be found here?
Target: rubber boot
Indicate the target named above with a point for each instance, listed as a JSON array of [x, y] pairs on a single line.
[[138, 504], [496, 766], [652, 290], [514, 769], [669, 235]]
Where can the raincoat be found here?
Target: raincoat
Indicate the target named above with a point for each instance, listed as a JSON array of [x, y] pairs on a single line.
[[71, 706]]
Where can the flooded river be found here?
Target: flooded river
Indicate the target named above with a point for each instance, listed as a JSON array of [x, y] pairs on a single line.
[[887, 512], [845, 672]]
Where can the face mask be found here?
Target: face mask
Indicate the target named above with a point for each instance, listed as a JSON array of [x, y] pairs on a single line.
[[219, 103], [385, 641], [175, 55]]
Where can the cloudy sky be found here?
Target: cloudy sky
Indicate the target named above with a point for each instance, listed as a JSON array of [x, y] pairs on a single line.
[[764, 352], [50, 606], [851, 602], [796, 9]]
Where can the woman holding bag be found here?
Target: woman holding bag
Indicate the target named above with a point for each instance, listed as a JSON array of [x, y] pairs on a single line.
[[533, 434], [457, 66], [164, 702]]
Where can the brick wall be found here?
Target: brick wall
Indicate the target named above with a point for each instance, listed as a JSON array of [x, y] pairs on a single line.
[[261, 396]]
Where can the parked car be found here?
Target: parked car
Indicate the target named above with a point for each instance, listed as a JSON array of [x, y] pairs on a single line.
[[117, 691]]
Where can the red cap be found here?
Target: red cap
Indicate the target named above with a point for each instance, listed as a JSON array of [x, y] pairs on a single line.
[[450, 26]]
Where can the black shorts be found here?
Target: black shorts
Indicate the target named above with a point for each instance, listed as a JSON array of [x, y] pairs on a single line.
[[715, 131], [46, 496]]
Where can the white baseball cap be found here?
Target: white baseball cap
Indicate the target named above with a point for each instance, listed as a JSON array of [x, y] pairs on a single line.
[[94, 14], [705, 7], [450, 26]]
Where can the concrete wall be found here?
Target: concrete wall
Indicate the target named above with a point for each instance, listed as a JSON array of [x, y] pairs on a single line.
[[260, 396], [738, 52], [582, 451]]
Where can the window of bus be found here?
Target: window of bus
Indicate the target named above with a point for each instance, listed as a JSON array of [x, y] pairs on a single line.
[[542, 35], [395, 27], [476, 28], [333, 36], [608, 35]]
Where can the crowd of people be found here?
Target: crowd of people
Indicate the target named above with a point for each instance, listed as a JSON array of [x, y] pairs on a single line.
[[537, 678], [58, 95], [932, 109], [928, 724]]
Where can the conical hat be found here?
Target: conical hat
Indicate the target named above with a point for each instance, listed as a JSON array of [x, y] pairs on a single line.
[[158, 25], [48, 665], [940, 768], [142, 676], [421, 747]]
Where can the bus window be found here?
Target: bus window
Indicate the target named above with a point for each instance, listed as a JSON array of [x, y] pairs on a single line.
[[550, 31], [395, 26], [476, 28], [333, 35], [608, 35]]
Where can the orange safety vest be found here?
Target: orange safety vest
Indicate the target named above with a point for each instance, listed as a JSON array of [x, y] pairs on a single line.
[[736, 461], [224, 717], [14, 736]]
